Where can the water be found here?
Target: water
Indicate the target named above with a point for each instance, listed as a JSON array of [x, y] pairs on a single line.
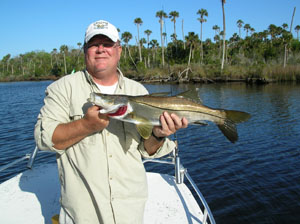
[[255, 180]]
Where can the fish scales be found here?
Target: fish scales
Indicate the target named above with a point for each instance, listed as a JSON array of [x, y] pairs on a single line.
[[177, 104], [145, 111]]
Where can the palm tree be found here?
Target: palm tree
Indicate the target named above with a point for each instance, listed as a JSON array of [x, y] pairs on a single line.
[[79, 52], [297, 28], [240, 25], [247, 27], [202, 13], [272, 31], [183, 35], [126, 37], [148, 33], [138, 22], [285, 26], [173, 15], [64, 49], [154, 45], [191, 41], [216, 28], [224, 34], [161, 14], [252, 30]]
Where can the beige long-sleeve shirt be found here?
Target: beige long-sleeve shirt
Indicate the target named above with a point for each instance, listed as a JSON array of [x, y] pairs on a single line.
[[102, 177]]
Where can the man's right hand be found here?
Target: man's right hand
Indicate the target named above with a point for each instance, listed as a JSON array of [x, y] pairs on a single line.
[[66, 135], [94, 120]]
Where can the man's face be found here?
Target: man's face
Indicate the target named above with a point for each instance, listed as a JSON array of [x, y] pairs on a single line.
[[102, 55]]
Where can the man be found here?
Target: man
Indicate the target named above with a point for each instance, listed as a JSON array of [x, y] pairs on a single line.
[[99, 159]]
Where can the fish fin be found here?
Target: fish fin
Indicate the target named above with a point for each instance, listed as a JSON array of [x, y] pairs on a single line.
[[144, 130], [191, 94], [228, 128], [143, 126], [237, 116], [160, 94], [202, 123]]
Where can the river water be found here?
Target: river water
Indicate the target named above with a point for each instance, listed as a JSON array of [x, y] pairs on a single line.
[[255, 180]]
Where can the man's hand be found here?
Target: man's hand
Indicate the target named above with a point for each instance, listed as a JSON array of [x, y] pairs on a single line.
[[66, 135], [95, 121], [169, 125]]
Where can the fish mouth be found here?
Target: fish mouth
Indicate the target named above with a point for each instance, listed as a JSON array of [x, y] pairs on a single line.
[[121, 111], [115, 110]]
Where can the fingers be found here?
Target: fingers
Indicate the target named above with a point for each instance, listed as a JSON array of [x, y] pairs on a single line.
[[170, 124], [94, 120]]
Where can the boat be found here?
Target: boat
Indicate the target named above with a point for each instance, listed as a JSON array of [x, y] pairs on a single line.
[[33, 195]]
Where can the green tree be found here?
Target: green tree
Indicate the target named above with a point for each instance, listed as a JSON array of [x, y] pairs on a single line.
[[297, 28], [224, 34], [148, 33], [154, 46], [138, 22], [161, 15], [173, 15], [239, 24], [285, 26], [247, 27], [191, 41], [202, 13], [64, 50], [126, 37]]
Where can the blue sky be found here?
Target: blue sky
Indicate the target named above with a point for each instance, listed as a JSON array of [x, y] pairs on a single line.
[[30, 25]]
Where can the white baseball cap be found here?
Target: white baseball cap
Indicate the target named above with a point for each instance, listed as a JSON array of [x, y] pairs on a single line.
[[101, 27]]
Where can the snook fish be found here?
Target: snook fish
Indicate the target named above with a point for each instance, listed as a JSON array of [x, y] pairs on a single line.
[[145, 110]]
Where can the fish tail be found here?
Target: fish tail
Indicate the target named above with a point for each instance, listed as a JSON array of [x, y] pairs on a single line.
[[228, 127]]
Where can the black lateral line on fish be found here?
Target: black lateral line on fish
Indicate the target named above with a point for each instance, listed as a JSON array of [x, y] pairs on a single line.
[[162, 108]]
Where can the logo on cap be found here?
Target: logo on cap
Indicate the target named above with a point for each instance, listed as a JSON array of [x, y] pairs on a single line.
[[101, 25]]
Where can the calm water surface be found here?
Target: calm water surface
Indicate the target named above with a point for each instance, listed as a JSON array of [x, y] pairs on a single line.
[[255, 180]]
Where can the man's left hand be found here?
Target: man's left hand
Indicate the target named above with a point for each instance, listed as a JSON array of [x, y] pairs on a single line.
[[170, 123]]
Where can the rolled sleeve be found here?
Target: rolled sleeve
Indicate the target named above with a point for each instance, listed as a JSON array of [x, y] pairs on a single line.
[[43, 133], [53, 113], [165, 149]]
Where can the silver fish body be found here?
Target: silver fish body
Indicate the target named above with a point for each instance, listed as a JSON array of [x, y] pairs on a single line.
[[144, 111]]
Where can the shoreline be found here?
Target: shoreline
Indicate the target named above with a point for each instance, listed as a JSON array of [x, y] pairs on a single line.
[[259, 81]]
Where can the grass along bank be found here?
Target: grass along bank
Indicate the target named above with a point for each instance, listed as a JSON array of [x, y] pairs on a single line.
[[211, 73]]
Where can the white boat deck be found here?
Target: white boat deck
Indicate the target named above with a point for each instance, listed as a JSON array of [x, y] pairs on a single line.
[[33, 197]]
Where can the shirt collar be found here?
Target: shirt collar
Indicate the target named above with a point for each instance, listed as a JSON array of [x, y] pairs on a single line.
[[120, 79]]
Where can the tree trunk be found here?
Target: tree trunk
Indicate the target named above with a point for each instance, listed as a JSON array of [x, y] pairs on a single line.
[[65, 63], [285, 55], [291, 27], [183, 36], [162, 42], [189, 62], [139, 44], [224, 31]]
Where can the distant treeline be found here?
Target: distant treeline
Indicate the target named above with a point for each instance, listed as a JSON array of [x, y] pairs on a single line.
[[271, 55]]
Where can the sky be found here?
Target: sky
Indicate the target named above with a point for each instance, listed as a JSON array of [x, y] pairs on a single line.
[[42, 25]]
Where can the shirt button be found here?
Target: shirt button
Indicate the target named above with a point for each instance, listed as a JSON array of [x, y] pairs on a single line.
[[110, 178], [110, 156]]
